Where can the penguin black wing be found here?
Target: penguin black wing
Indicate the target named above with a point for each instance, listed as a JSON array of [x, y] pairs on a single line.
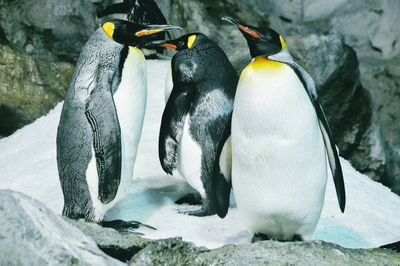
[[102, 116], [173, 119], [333, 156]]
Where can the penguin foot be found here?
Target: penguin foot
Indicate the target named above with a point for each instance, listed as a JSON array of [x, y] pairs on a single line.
[[199, 213], [207, 209], [260, 237], [125, 226], [190, 199]]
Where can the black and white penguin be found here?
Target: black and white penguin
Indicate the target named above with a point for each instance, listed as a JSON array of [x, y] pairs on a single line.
[[195, 128], [280, 143], [102, 119]]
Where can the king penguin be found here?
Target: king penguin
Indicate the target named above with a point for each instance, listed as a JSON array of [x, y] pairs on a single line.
[[280, 143], [195, 127], [102, 118]]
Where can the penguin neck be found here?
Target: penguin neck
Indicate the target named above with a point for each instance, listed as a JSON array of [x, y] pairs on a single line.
[[134, 49], [262, 62]]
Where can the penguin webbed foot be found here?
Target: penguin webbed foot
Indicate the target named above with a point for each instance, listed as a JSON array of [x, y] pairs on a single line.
[[207, 209], [190, 199], [127, 227]]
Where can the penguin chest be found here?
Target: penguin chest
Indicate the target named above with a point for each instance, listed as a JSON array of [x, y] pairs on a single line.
[[189, 159], [279, 163], [130, 102]]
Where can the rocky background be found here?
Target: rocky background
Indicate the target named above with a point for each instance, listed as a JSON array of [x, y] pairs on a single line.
[[351, 48]]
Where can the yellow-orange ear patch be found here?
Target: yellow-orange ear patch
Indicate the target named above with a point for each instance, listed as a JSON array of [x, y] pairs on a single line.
[[283, 43], [109, 28], [191, 41]]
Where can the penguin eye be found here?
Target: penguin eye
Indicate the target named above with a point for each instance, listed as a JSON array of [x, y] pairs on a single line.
[[181, 44]]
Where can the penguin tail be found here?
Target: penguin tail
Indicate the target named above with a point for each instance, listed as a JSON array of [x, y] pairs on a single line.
[[222, 190]]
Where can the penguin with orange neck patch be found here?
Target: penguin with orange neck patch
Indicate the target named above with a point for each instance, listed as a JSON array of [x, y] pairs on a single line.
[[195, 128], [280, 143]]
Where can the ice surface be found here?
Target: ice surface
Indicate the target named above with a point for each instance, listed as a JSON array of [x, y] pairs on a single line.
[[28, 164]]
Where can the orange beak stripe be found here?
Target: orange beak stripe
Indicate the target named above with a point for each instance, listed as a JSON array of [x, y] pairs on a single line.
[[147, 32], [252, 33], [168, 45]]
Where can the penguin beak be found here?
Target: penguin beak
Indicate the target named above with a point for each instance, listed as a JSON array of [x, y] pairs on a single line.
[[153, 29], [245, 29], [161, 43]]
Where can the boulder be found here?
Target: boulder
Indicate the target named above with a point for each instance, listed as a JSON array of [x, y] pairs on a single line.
[[29, 88], [348, 106], [48, 29], [383, 81], [30, 234], [120, 246], [176, 252]]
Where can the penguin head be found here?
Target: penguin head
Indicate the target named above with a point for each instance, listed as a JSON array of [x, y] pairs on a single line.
[[133, 34], [261, 41], [187, 41]]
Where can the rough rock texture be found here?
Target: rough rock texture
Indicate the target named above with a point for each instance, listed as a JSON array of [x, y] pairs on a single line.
[[176, 252], [347, 104], [30, 234], [29, 88], [122, 247], [382, 78], [48, 29]]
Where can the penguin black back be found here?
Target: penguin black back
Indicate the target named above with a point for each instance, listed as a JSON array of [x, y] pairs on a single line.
[[204, 84]]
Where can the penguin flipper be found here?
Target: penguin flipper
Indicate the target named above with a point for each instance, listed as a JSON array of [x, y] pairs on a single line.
[[102, 116], [222, 184], [332, 153], [333, 156], [173, 119]]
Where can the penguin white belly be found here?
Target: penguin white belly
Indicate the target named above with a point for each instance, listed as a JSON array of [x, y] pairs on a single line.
[[189, 160], [279, 163], [130, 102]]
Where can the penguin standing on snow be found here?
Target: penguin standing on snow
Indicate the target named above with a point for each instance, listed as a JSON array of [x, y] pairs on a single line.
[[102, 118], [280, 142], [195, 128]]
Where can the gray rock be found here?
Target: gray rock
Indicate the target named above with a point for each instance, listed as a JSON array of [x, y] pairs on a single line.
[[29, 88], [383, 81], [348, 106], [30, 234], [176, 252], [172, 251], [51, 29], [122, 247]]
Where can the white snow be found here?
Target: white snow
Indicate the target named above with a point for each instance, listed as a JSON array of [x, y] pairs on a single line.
[[28, 164]]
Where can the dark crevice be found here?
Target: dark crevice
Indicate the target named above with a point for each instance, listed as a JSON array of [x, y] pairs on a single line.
[[121, 254], [288, 20], [375, 48]]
